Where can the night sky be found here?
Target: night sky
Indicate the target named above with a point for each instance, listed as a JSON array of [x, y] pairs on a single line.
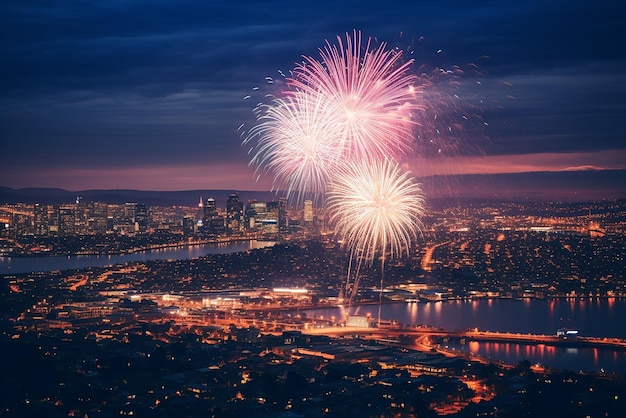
[[149, 95]]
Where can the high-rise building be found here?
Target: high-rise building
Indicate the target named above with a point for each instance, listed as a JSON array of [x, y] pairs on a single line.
[[189, 225], [41, 221], [212, 222], [256, 213], [81, 217], [308, 214], [283, 223], [98, 219], [234, 213], [270, 222], [136, 216], [129, 212], [141, 218], [209, 210], [66, 219]]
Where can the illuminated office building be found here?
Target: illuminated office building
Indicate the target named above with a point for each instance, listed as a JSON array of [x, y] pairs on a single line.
[[234, 213]]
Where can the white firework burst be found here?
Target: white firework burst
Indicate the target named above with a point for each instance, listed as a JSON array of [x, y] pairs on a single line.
[[297, 144], [375, 208]]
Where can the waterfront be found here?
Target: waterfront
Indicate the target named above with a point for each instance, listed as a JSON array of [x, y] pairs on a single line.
[[593, 317], [570, 358], [15, 265]]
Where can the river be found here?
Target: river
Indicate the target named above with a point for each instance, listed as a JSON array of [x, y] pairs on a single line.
[[593, 317], [15, 265]]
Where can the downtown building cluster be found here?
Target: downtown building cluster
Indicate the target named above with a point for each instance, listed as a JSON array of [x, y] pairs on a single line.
[[218, 336], [54, 229]]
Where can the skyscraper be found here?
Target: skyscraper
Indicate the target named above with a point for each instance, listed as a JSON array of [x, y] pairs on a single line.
[[212, 222], [234, 213], [308, 214], [283, 224], [136, 215], [255, 211], [98, 219], [40, 219], [141, 217], [66, 216], [209, 211], [81, 216], [270, 223], [189, 225]]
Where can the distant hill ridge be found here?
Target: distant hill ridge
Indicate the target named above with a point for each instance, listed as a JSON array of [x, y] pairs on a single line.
[[567, 186], [151, 198]]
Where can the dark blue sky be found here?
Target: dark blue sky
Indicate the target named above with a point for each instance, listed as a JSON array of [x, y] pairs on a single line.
[[149, 95]]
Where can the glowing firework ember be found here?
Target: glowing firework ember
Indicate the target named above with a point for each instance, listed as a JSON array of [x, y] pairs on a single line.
[[370, 91], [444, 118], [376, 208]]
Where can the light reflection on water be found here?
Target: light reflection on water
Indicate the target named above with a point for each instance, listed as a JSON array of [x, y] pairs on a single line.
[[594, 317], [571, 358]]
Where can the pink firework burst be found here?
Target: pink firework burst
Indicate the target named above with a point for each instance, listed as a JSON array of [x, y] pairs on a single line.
[[371, 91], [357, 103]]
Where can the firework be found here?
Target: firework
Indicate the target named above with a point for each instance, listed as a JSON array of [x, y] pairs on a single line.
[[450, 122], [370, 91], [339, 126], [297, 143], [376, 208], [357, 103]]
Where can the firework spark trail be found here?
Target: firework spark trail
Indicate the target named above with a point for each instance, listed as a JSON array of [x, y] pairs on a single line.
[[354, 286], [376, 209], [371, 91]]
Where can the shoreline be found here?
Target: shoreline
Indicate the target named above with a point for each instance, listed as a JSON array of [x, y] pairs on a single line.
[[211, 241]]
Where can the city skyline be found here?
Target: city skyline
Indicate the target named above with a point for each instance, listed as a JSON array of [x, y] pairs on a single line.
[[155, 105]]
